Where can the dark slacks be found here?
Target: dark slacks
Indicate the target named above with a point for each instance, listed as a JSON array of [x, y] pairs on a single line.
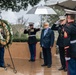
[[32, 48], [47, 56], [1, 56], [72, 66], [62, 57]]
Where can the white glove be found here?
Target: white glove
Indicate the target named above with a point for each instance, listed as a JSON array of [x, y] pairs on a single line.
[[67, 58], [57, 22]]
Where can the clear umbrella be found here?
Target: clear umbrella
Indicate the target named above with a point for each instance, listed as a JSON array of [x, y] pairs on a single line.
[[40, 10]]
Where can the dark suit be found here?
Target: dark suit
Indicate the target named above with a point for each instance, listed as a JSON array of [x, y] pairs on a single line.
[[46, 42]]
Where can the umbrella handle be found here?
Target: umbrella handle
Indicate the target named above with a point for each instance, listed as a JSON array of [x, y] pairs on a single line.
[[41, 20]]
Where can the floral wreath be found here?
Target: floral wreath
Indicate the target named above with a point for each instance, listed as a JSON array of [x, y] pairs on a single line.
[[7, 36]]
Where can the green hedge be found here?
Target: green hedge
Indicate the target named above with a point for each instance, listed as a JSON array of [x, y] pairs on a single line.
[[19, 40], [22, 40]]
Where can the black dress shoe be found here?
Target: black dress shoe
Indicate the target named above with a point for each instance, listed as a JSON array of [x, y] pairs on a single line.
[[31, 60], [61, 68], [2, 66], [48, 66], [43, 65], [65, 69]]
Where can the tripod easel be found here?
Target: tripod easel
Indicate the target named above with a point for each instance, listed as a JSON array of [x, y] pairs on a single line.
[[8, 65]]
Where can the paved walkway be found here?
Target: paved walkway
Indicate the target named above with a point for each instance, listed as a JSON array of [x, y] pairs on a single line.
[[24, 67]]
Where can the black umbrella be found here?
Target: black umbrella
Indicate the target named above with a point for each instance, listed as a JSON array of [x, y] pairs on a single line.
[[68, 4]]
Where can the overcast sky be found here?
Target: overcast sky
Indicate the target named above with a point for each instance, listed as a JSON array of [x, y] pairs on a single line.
[[13, 16]]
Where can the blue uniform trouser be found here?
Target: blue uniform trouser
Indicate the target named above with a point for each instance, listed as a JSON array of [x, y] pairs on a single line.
[[32, 48], [1, 56], [72, 66]]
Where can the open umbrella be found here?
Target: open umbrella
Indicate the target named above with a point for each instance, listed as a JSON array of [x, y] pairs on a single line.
[[40, 10], [68, 4], [70, 11]]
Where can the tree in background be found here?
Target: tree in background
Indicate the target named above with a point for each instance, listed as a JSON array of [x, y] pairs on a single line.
[[16, 5], [22, 21], [53, 18]]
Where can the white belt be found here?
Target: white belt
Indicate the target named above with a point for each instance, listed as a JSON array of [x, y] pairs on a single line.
[[31, 35], [74, 41]]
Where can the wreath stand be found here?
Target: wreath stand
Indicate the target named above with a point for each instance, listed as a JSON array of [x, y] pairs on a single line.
[[8, 65]]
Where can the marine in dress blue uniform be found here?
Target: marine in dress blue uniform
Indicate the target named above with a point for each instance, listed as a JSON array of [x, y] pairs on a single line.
[[32, 41], [70, 43]]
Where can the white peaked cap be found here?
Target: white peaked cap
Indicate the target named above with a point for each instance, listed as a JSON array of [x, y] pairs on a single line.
[[62, 17]]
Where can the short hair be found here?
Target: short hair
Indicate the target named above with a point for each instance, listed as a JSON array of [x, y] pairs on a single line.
[[46, 23], [72, 16]]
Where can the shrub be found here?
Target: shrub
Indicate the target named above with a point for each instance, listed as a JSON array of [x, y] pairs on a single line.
[[22, 40]]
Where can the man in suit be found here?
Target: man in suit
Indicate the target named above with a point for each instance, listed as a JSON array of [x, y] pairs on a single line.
[[46, 42]]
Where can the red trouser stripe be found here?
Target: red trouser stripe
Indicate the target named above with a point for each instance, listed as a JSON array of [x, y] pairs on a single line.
[[67, 68]]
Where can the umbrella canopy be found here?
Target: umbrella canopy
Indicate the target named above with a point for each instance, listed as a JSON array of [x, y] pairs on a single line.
[[68, 4], [41, 10], [69, 11]]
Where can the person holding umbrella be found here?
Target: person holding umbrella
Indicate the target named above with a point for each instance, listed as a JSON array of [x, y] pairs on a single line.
[[32, 40], [59, 26]]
